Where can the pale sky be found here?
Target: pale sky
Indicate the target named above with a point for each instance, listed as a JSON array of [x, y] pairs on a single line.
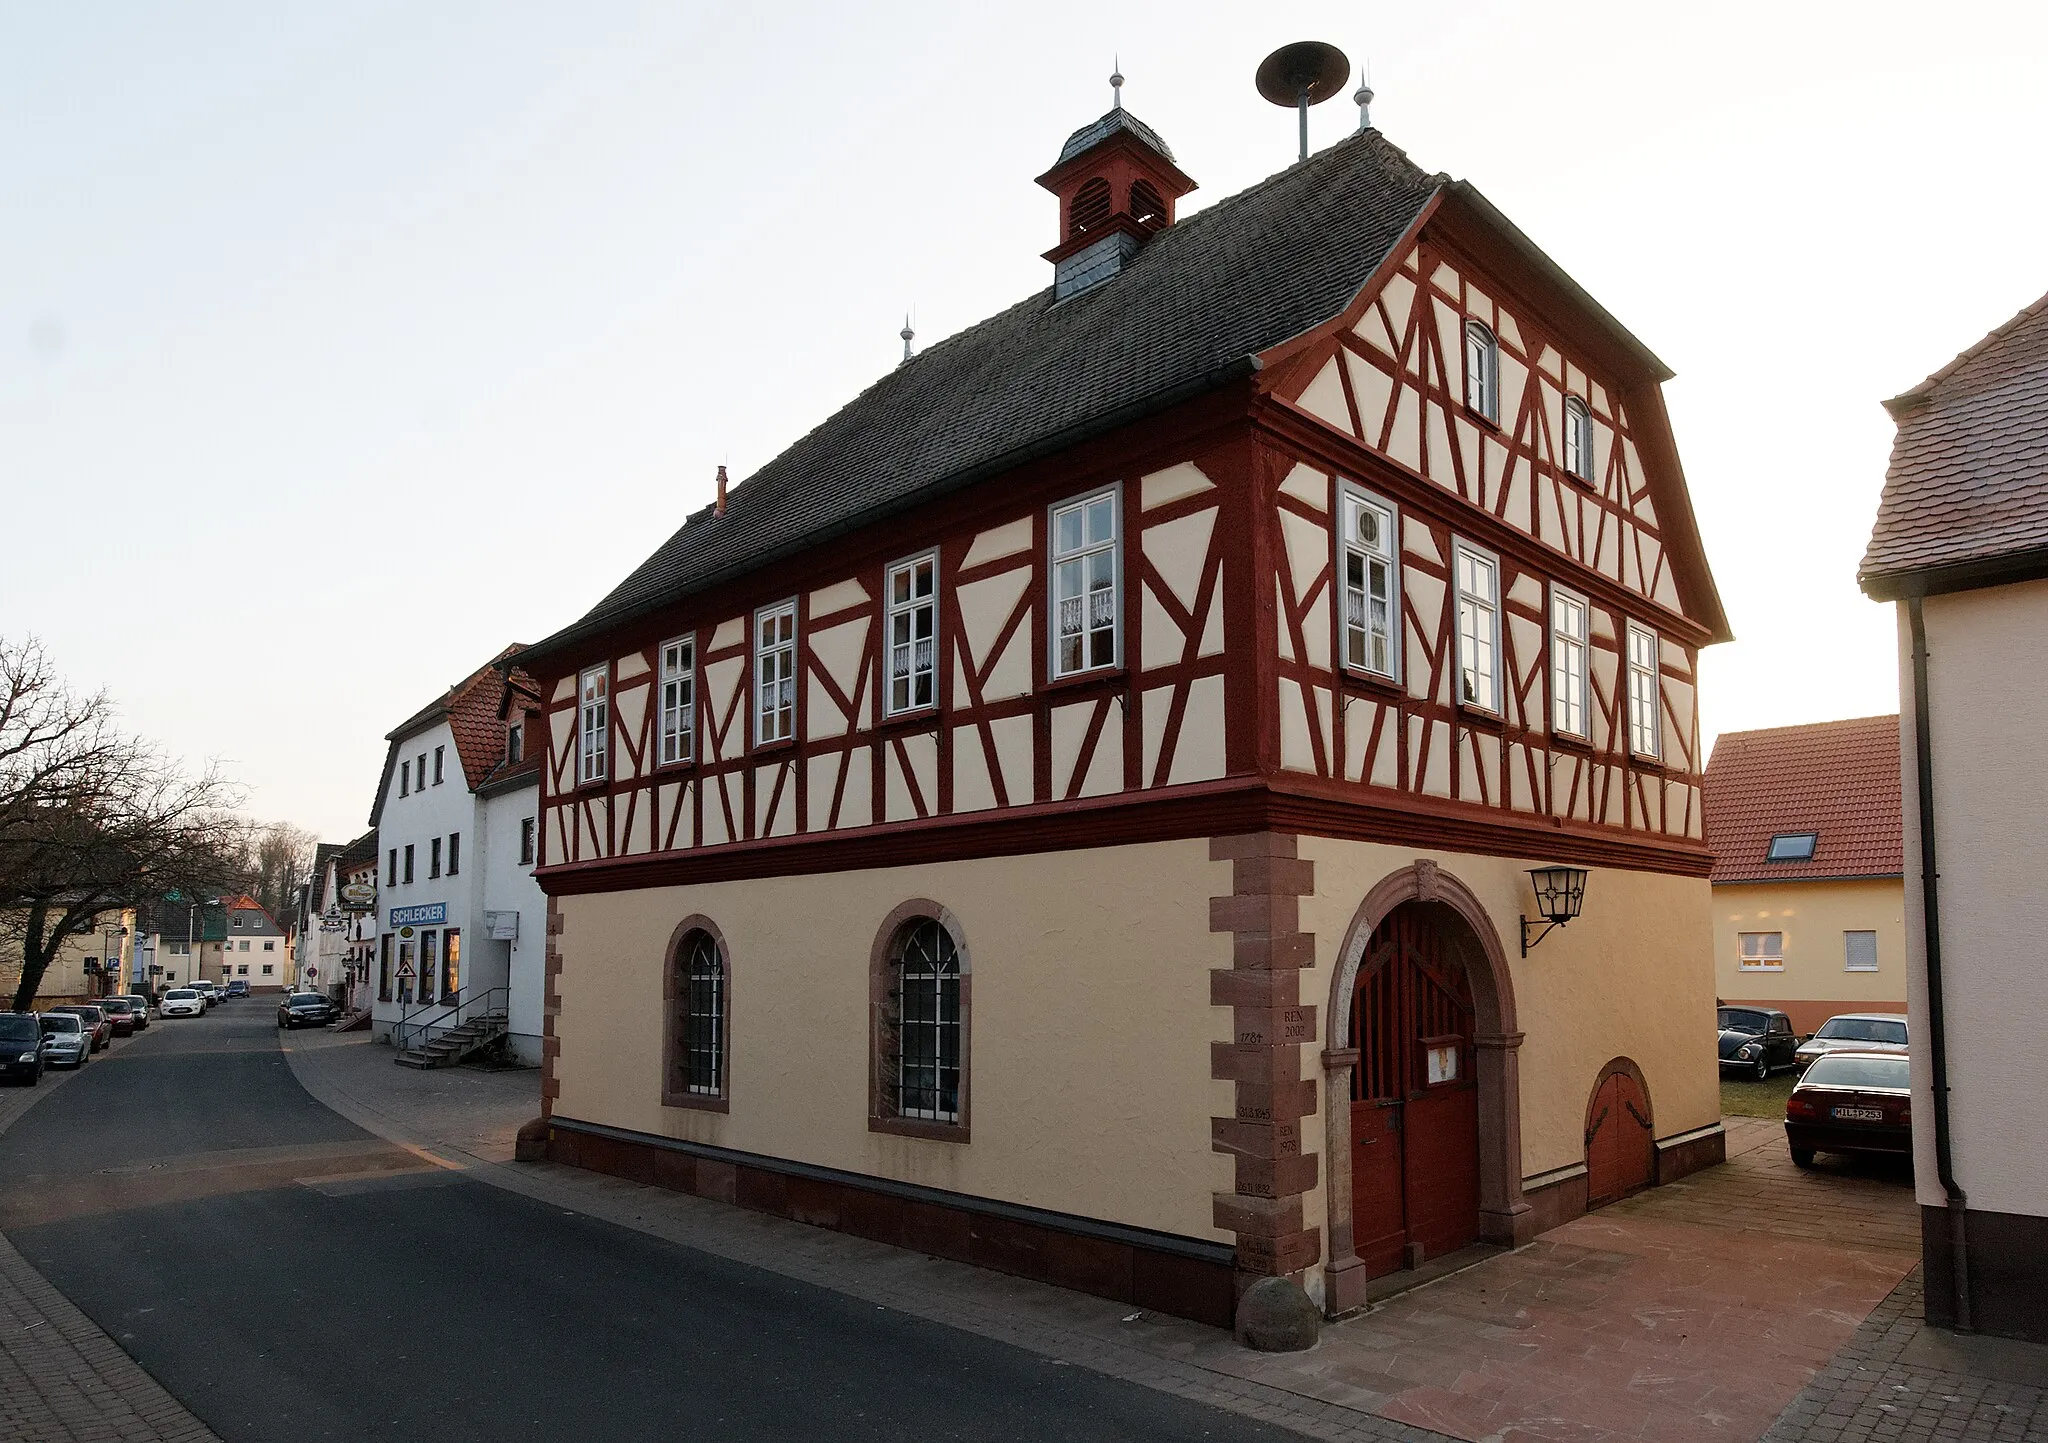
[[342, 344]]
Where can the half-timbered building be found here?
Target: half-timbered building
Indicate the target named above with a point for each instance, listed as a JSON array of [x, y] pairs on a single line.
[[1073, 809]]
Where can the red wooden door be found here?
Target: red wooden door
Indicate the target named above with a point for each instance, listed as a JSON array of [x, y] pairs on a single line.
[[1619, 1146], [1414, 1103]]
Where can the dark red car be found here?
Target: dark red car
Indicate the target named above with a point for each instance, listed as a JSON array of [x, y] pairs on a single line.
[[1851, 1102], [94, 1020], [120, 1013]]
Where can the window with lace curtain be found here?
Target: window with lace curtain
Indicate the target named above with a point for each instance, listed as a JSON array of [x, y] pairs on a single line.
[[1084, 585], [775, 673], [913, 634]]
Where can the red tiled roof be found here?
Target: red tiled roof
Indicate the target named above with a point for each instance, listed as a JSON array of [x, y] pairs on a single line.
[[475, 709], [1968, 480], [1839, 779]]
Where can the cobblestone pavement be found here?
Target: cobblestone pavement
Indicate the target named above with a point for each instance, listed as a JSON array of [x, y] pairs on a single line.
[[1899, 1379], [1666, 1317], [62, 1380]]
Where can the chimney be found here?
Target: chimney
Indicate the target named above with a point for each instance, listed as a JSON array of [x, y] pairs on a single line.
[[719, 509], [1117, 186]]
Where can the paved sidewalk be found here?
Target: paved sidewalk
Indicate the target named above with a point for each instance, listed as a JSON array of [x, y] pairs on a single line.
[[1696, 1311], [1898, 1378], [62, 1380]]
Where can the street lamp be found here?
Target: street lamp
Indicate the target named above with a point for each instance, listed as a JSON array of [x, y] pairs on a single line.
[[1560, 892]]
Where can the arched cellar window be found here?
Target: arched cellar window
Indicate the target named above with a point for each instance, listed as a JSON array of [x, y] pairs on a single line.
[[1090, 207], [696, 993], [920, 1073]]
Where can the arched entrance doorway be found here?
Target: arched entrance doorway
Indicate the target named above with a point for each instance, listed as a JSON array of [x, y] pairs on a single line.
[[1456, 945], [1620, 1147], [1414, 1098]]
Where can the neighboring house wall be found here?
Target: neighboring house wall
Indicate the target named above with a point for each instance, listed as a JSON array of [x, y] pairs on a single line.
[[508, 885], [1814, 981], [1988, 650], [418, 819]]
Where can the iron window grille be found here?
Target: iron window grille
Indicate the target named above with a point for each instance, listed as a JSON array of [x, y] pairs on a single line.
[[1570, 637], [1482, 371], [1644, 737], [678, 700], [924, 1008], [1478, 580], [913, 634], [1578, 439], [775, 673], [595, 720], [1084, 578], [1371, 584], [700, 1020]]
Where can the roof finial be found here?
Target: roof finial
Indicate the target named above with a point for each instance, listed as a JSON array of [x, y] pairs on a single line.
[[908, 335], [1364, 97], [1116, 81], [719, 509]]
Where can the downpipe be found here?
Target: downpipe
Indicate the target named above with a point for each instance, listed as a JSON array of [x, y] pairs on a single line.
[[1930, 921]]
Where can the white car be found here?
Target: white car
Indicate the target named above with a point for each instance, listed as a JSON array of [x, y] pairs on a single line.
[[1855, 1032], [182, 1002]]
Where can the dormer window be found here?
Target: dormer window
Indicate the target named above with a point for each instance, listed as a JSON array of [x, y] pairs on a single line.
[[515, 741], [1578, 439], [1090, 208], [1482, 372]]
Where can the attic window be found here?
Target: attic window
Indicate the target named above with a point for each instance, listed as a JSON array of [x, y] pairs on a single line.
[[1792, 847], [1146, 206], [1090, 208]]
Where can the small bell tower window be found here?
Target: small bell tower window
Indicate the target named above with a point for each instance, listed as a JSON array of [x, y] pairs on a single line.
[[1090, 208], [1147, 209]]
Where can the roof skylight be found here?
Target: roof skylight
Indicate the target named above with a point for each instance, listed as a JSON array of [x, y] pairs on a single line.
[[1792, 847]]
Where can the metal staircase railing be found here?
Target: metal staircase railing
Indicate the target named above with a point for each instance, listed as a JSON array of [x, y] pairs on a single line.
[[449, 1014]]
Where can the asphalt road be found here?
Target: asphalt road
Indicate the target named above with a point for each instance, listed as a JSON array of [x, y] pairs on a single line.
[[288, 1276]]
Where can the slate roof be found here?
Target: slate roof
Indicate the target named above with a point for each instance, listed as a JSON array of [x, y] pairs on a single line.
[[1968, 481], [1189, 312], [361, 852], [1839, 779], [1091, 135]]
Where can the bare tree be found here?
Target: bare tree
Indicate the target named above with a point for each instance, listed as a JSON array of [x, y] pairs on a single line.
[[91, 820]]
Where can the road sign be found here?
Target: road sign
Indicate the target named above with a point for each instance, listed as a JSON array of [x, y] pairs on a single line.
[[312, 973]]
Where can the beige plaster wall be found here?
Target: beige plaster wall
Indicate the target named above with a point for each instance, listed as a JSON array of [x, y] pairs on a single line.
[[1091, 1025], [1812, 916], [1987, 650], [1632, 977]]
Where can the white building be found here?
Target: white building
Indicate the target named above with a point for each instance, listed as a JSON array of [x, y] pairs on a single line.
[[339, 923], [1961, 548], [461, 921], [253, 950]]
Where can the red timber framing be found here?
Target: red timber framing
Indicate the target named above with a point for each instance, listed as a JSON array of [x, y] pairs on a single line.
[[1229, 715]]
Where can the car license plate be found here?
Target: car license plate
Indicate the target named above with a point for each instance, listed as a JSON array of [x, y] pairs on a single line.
[[1859, 1114]]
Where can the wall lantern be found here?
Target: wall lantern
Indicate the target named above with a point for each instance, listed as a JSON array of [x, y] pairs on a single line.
[[1560, 892]]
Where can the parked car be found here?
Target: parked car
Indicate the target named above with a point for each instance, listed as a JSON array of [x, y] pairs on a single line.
[[1851, 1102], [66, 1043], [141, 1004], [95, 1021], [306, 1009], [1756, 1041], [1855, 1032], [209, 993], [21, 1046], [183, 1002], [120, 1015], [238, 988]]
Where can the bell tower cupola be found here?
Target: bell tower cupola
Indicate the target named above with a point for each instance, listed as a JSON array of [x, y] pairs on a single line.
[[1117, 186]]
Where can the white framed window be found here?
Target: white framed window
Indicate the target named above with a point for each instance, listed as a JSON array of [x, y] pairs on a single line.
[[1477, 574], [594, 725], [1084, 584], [1859, 951], [1482, 371], [1368, 562], [775, 673], [913, 621], [1762, 951], [1643, 730], [1570, 638], [1578, 438], [678, 701], [515, 741]]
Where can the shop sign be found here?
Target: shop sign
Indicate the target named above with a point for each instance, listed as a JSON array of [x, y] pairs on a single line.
[[426, 914]]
